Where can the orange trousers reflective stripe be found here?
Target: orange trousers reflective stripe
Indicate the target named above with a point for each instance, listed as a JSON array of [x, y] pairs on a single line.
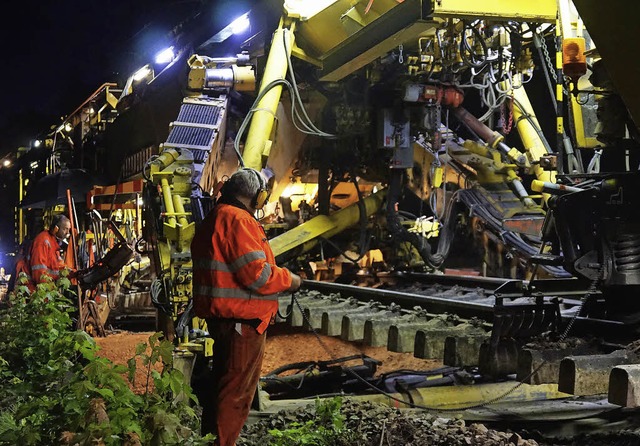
[[236, 367]]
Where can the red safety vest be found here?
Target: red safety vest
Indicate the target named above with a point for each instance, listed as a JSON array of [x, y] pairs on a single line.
[[235, 275], [45, 257]]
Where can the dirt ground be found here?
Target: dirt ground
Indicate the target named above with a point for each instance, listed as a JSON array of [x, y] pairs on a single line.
[[284, 346]]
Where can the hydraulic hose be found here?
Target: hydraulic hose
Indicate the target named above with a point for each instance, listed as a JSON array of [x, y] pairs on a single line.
[[424, 248]]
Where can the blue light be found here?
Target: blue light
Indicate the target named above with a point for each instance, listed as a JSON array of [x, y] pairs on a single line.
[[240, 25], [165, 56]]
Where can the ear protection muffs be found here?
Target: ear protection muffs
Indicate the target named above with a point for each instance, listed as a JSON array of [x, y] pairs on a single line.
[[55, 222], [262, 194]]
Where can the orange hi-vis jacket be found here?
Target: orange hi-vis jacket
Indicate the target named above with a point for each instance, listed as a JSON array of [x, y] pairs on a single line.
[[45, 257], [22, 266], [235, 275]]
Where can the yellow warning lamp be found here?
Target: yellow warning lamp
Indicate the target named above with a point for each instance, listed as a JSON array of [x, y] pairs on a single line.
[[574, 61]]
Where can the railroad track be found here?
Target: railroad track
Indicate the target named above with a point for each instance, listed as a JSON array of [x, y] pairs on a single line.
[[447, 318], [451, 318]]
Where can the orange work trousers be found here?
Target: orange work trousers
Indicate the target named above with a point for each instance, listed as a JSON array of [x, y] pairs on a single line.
[[236, 366]]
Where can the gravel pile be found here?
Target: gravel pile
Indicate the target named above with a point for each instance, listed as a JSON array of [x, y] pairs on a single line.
[[367, 424]]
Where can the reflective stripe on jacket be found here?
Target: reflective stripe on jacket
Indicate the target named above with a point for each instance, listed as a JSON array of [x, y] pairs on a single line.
[[235, 275], [45, 257]]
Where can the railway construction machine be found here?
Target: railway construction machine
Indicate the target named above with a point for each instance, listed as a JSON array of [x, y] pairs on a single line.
[[410, 135], [415, 135]]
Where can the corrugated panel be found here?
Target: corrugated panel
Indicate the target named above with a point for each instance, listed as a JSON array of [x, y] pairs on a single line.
[[199, 114], [190, 136], [133, 164], [200, 156]]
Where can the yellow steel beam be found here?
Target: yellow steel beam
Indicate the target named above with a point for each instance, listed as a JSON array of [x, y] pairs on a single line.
[[456, 399], [525, 10], [19, 209], [462, 397], [304, 236]]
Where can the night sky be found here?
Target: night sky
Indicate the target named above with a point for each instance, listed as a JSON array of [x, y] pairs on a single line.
[[61, 52], [56, 54]]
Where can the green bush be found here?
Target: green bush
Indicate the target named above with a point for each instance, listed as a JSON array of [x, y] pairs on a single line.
[[325, 429], [57, 390]]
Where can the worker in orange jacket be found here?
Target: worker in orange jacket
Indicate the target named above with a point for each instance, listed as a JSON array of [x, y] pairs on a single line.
[[22, 266], [235, 286], [45, 258]]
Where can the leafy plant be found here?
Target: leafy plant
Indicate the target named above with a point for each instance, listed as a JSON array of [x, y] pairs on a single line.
[[326, 429], [57, 390]]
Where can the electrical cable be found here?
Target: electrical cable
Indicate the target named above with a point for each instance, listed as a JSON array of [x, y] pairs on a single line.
[[300, 117], [296, 92], [424, 248], [594, 163], [466, 47], [294, 112]]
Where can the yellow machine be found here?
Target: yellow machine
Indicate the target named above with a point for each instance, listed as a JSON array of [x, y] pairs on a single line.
[[360, 122], [493, 137], [368, 118]]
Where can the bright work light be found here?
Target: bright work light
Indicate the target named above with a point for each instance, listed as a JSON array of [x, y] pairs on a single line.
[[240, 25], [165, 56]]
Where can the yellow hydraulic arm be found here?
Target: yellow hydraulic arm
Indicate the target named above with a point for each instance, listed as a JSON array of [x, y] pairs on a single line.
[[258, 141]]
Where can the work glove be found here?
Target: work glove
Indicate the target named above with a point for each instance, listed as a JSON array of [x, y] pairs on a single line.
[[296, 281]]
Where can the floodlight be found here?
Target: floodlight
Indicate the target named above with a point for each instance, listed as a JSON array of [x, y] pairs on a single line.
[[142, 73], [165, 56], [240, 25]]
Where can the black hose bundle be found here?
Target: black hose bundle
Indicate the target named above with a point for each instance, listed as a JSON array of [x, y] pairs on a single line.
[[422, 245]]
